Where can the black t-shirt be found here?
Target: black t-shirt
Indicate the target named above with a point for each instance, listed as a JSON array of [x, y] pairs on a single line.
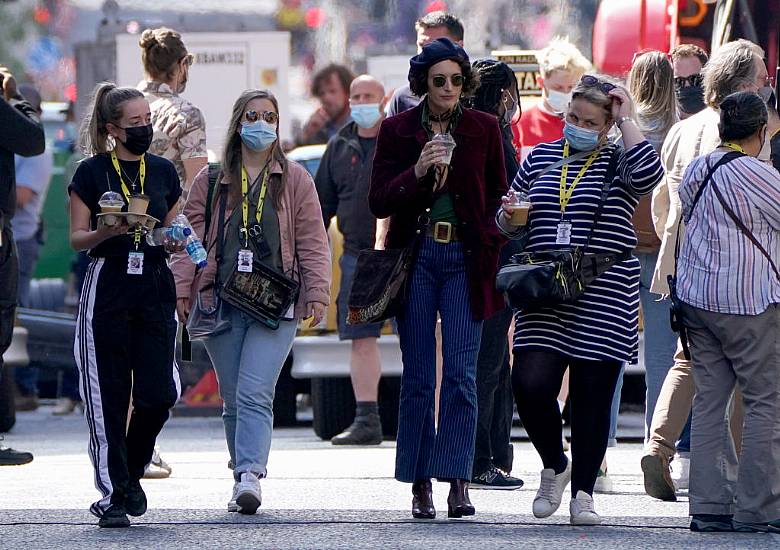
[[96, 175]]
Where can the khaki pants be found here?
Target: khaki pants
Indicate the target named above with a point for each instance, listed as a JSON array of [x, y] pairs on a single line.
[[730, 351], [674, 405]]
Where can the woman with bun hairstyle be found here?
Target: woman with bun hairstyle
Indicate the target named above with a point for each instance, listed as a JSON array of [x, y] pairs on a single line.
[[179, 127], [126, 328], [271, 216]]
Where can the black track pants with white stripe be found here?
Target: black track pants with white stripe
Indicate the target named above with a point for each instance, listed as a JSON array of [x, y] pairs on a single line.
[[125, 339]]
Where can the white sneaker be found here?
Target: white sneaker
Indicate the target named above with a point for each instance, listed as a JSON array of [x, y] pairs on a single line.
[[157, 468], [681, 472], [551, 488], [582, 510], [232, 506], [248, 497], [603, 483]]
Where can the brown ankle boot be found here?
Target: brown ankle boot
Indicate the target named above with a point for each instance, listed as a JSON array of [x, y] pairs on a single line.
[[422, 500], [458, 502]]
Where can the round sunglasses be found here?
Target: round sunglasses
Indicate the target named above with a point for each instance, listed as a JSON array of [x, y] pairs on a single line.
[[440, 80], [270, 117]]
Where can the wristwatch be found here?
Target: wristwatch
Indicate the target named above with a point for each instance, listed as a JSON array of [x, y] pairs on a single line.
[[622, 119]]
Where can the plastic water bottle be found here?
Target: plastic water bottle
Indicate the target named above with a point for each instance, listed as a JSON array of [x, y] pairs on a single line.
[[163, 235], [196, 251]]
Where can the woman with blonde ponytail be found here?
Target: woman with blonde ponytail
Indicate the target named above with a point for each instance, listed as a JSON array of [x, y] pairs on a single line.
[[126, 328]]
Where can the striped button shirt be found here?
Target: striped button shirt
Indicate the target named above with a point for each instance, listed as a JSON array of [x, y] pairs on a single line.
[[602, 323], [719, 268]]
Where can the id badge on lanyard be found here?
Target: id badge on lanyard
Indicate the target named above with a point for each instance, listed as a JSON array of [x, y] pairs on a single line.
[[563, 233], [135, 263]]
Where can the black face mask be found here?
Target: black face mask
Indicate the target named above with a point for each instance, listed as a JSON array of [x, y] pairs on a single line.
[[139, 138], [690, 99]]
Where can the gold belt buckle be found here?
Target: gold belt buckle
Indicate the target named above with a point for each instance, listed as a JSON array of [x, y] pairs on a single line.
[[442, 232]]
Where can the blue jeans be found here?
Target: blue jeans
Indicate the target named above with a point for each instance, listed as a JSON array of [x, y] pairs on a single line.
[[659, 340], [27, 378], [438, 286], [615, 410], [248, 359]]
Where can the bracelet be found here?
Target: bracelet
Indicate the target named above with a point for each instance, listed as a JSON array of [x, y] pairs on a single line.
[[622, 119]]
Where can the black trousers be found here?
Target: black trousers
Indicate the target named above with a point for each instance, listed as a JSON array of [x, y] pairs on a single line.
[[536, 379], [125, 338], [9, 288], [494, 396]]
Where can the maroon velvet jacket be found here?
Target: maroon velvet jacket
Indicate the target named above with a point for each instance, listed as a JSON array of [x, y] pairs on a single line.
[[477, 181]]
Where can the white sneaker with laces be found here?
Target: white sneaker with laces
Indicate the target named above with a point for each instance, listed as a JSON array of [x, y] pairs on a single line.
[[603, 483], [248, 498], [582, 510], [681, 472], [232, 506], [551, 488]]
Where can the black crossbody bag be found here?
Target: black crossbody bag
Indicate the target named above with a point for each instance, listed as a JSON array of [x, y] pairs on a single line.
[[545, 278], [675, 314], [265, 294]]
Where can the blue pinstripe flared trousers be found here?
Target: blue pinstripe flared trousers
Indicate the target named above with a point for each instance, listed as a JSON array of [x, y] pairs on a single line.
[[438, 285]]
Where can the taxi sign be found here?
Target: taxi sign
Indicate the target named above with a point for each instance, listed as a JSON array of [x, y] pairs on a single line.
[[526, 68]]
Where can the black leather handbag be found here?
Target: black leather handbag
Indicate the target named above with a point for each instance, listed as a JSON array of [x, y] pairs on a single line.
[[545, 278]]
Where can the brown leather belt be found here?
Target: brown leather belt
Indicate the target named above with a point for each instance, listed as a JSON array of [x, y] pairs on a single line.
[[442, 232]]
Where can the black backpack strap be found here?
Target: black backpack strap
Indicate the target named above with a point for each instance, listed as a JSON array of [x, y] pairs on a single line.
[[608, 178], [214, 171]]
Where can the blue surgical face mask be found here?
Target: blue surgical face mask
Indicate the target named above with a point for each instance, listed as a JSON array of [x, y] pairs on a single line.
[[259, 135], [366, 115], [581, 139]]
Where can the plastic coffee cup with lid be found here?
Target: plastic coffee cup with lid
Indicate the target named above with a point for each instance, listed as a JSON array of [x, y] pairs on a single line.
[[446, 141], [521, 205]]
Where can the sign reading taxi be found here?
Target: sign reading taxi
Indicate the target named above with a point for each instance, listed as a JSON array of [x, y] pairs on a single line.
[[526, 68]]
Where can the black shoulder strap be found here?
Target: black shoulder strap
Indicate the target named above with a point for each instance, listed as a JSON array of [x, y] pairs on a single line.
[[744, 229], [609, 177], [214, 170], [728, 157], [220, 229]]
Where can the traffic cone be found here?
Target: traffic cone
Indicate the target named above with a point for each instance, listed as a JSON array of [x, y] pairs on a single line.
[[205, 393]]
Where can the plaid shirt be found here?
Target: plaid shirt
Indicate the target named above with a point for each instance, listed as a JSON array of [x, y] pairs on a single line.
[[179, 127], [719, 268]]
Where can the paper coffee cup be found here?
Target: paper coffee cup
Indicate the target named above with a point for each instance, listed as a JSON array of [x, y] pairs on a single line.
[[138, 204], [520, 213]]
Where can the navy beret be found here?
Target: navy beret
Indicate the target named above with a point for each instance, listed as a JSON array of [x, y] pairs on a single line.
[[434, 51]]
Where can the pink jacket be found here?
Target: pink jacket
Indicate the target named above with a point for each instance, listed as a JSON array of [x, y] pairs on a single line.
[[300, 229]]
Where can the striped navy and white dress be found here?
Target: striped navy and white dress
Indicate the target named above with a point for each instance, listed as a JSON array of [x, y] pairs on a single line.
[[602, 324]]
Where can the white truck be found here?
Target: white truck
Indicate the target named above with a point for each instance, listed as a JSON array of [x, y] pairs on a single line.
[[226, 64]]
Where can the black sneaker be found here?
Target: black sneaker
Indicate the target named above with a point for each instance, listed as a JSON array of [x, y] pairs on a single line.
[[760, 527], [365, 430], [493, 478], [711, 523], [116, 516], [135, 499], [10, 457]]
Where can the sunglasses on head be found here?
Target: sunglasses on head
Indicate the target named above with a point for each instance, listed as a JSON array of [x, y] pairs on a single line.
[[592, 82], [687, 81], [188, 59], [269, 116], [440, 80]]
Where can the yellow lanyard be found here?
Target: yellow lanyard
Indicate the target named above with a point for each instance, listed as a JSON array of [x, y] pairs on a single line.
[[126, 190], [245, 204], [141, 174], [734, 146], [566, 191]]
